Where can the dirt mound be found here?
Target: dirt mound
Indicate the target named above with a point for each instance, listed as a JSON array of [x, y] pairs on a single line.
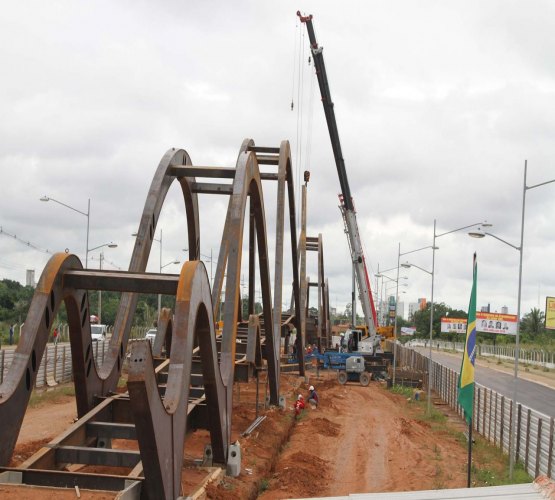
[[301, 474], [325, 427]]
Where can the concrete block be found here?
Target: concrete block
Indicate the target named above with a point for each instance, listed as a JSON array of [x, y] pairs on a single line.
[[233, 468], [208, 456]]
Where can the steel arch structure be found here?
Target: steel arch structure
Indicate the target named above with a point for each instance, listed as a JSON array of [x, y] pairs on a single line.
[[160, 392]]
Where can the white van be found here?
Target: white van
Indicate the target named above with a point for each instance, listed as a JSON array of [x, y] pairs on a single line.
[[98, 332]]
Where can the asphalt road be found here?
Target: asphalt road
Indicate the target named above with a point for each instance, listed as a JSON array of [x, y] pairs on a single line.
[[535, 396]]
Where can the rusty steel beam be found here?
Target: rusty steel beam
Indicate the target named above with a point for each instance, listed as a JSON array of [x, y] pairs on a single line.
[[121, 281], [65, 479], [164, 333], [180, 171], [212, 188], [263, 149]]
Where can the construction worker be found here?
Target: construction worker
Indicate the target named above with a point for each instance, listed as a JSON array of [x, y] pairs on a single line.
[[313, 397], [299, 405]]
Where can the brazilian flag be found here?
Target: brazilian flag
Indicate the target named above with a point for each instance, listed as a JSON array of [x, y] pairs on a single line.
[[466, 378]]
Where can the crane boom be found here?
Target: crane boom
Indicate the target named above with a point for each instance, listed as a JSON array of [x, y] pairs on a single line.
[[347, 206]]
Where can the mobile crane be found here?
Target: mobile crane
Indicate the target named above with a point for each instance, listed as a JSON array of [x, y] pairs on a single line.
[[372, 342]]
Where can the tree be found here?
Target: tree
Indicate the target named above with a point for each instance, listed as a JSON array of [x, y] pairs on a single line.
[[421, 321], [532, 324]]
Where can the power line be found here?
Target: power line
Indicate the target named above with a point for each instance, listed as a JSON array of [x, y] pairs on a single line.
[[23, 242]]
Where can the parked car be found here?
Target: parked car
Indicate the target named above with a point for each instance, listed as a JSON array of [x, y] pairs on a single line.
[[151, 335], [98, 332]]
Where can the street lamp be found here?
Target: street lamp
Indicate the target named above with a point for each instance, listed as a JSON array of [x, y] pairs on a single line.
[[206, 257], [86, 214], [109, 245], [399, 254], [162, 267], [482, 224], [479, 233]]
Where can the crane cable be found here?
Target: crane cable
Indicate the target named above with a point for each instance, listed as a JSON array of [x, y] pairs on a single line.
[[310, 118]]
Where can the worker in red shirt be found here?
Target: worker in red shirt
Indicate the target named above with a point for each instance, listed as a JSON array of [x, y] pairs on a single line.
[[299, 405]]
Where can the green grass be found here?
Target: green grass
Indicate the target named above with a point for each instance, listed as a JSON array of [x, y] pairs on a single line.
[[51, 396], [264, 484], [402, 390]]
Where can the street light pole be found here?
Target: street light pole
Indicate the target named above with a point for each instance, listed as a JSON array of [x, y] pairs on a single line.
[[434, 248], [479, 234], [397, 300], [100, 293], [87, 215], [430, 365]]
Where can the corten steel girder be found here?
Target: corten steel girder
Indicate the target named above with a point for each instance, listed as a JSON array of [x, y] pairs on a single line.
[[161, 423], [164, 332], [161, 420], [316, 244]]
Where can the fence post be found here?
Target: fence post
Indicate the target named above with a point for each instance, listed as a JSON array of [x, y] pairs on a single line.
[[64, 364], [495, 421], [526, 458], [489, 420], [2, 359], [478, 411], [45, 364], [538, 447], [55, 362], [485, 408], [502, 422], [550, 448], [518, 424]]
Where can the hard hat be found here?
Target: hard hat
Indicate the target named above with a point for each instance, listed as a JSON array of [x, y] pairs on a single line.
[[342, 334], [311, 388], [300, 396]]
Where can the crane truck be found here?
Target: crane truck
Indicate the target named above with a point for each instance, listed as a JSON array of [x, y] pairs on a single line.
[[371, 342]]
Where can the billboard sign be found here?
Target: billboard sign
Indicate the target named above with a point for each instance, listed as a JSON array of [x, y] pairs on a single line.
[[504, 324], [550, 313], [453, 325], [407, 330]]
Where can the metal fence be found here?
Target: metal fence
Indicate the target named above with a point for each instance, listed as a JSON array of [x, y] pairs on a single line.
[[493, 414], [55, 367]]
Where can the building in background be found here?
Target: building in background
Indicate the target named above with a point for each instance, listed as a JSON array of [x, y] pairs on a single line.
[[504, 310], [30, 278], [413, 307], [401, 310]]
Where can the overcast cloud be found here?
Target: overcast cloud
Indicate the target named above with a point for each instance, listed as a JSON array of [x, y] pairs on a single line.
[[438, 104]]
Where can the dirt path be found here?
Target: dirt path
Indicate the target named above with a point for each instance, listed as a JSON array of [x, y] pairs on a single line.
[[41, 424], [364, 439]]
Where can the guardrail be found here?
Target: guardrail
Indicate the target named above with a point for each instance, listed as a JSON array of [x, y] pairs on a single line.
[[537, 357], [493, 414]]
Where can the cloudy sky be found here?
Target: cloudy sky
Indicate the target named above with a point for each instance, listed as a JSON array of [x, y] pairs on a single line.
[[438, 104]]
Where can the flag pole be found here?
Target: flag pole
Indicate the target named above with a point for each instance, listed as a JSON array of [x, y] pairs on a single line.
[[469, 454]]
